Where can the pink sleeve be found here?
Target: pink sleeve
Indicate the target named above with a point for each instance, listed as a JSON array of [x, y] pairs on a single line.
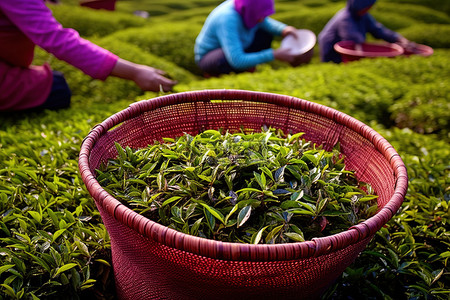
[[36, 21]]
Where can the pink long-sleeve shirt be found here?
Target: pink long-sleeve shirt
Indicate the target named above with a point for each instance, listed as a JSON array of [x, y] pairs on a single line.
[[26, 23]]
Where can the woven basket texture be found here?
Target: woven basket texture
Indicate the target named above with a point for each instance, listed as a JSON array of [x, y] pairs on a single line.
[[151, 261]]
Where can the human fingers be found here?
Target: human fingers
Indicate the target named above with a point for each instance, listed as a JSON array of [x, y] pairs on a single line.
[[290, 30], [166, 84]]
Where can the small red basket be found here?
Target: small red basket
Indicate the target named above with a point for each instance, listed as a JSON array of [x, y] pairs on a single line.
[[151, 261], [99, 4], [418, 49], [348, 51]]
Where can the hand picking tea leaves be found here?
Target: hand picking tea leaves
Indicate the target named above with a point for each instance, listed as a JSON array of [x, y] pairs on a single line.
[[256, 187]]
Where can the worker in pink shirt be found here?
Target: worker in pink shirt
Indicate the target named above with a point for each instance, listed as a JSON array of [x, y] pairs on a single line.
[[26, 23]]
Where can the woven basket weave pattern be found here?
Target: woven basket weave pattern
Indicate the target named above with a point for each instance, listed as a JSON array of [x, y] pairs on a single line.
[[152, 261]]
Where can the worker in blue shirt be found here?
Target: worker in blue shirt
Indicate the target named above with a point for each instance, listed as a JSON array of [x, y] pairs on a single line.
[[237, 36]]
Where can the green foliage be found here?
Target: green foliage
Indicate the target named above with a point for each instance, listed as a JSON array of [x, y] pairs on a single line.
[[112, 89], [424, 108], [89, 22], [433, 35], [53, 243], [408, 258], [418, 13], [175, 43], [314, 18], [392, 20], [440, 5], [245, 187], [164, 7]]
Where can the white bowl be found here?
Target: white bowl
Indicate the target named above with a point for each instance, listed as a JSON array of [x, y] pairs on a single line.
[[305, 42]]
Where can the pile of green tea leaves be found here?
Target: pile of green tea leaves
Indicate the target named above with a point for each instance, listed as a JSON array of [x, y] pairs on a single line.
[[254, 187]]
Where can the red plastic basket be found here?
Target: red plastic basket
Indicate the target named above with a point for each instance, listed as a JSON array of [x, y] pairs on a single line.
[[151, 261], [368, 50], [99, 4], [418, 49]]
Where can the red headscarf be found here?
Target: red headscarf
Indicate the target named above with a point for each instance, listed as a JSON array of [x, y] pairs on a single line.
[[253, 11]]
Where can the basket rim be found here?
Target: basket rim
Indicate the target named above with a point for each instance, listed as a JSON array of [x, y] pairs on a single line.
[[340, 47], [237, 251]]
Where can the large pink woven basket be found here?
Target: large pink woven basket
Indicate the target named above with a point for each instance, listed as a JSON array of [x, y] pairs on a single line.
[[151, 261]]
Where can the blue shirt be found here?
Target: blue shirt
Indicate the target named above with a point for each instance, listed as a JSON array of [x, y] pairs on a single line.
[[224, 28], [347, 25]]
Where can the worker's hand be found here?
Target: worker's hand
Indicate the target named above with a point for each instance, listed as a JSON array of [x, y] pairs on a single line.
[[151, 79], [147, 78], [405, 43], [290, 30], [284, 54]]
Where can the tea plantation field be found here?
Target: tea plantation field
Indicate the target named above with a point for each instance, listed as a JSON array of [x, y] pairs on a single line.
[[53, 244]]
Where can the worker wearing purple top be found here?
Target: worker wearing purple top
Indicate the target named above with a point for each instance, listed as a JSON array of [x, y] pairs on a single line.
[[26, 23], [351, 24], [237, 36]]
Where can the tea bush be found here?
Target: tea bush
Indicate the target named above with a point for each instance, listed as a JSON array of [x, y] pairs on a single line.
[[52, 241], [313, 19], [408, 258], [90, 22], [393, 20], [112, 89], [174, 43], [433, 35], [332, 84], [441, 5], [163, 7], [424, 108], [195, 17], [418, 13]]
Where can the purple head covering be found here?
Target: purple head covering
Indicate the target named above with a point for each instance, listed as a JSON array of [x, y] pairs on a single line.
[[252, 11]]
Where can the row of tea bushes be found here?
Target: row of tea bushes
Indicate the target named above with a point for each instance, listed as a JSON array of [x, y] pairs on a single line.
[[112, 89], [418, 13], [52, 242], [174, 43], [314, 18], [60, 245], [442, 5], [424, 108], [164, 7], [408, 258], [89, 22], [368, 89], [433, 35]]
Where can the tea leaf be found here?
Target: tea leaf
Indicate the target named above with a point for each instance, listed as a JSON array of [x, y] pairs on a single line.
[[40, 261], [37, 216], [5, 268], [244, 215], [279, 174], [58, 234], [217, 214], [261, 179], [211, 220], [232, 211], [64, 268], [120, 151], [272, 235], [256, 238], [170, 200], [294, 236]]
